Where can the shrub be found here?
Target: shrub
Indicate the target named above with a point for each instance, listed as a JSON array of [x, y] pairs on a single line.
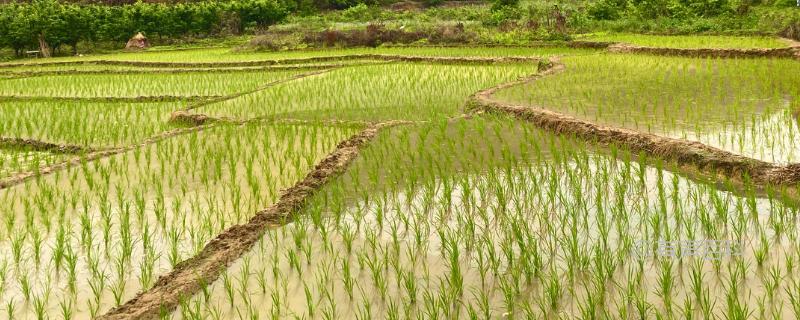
[[499, 5], [792, 30], [356, 12], [497, 17], [377, 34], [607, 9]]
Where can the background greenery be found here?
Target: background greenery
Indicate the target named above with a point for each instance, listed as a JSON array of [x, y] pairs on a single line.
[[66, 25], [21, 24]]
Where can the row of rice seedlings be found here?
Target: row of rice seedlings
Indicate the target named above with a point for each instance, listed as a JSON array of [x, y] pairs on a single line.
[[13, 161], [141, 85], [457, 221], [393, 91], [693, 41], [68, 67], [86, 124], [78, 242], [101, 67], [744, 106], [228, 55]]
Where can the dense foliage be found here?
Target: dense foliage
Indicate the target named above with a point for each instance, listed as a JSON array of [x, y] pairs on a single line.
[[21, 25], [63, 24], [651, 9]]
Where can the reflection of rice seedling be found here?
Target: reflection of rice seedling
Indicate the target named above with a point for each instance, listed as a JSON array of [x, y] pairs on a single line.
[[478, 218], [705, 100]]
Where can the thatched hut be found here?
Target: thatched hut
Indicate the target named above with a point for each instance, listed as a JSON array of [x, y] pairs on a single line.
[[138, 42]]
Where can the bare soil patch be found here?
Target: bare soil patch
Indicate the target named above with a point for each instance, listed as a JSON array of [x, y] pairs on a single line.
[[194, 119], [36, 145]]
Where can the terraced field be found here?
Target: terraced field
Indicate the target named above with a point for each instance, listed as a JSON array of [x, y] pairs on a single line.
[[400, 183]]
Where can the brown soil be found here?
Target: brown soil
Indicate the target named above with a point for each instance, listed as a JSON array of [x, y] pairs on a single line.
[[590, 44], [788, 52], [792, 42], [36, 145], [703, 157], [41, 64], [194, 119], [454, 60], [189, 276]]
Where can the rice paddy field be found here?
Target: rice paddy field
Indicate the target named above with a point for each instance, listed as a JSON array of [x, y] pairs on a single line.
[[219, 184], [690, 41]]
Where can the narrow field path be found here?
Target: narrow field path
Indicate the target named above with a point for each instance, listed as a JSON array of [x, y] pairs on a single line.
[[189, 276], [22, 177], [197, 119], [792, 50], [788, 52], [37, 145], [257, 89], [89, 154]]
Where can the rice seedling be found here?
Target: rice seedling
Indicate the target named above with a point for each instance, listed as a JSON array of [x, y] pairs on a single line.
[[489, 278], [693, 41], [743, 106], [140, 85], [111, 124], [122, 250], [216, 55], [418, 91], [472, 218]]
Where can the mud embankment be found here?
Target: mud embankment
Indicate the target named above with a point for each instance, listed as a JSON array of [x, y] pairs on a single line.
[[703, 157], [788, 52], [193, 119], [259, 88], [41, 146], [187, 277], [22, 177]]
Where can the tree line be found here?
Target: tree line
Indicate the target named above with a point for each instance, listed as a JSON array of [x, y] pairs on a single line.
[[28, 25]]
